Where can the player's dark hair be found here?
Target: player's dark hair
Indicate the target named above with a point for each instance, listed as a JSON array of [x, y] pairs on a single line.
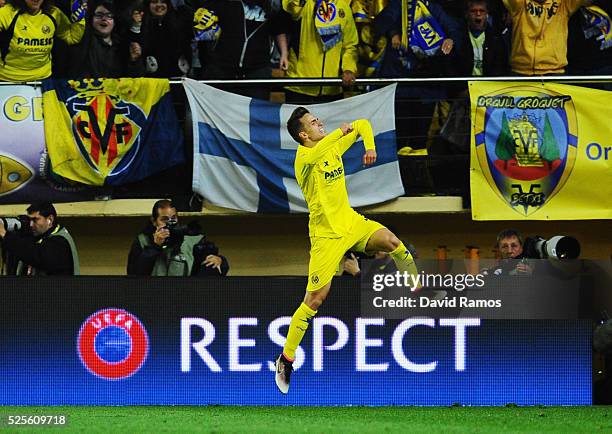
[[294, 124], [162, 203], [45, 209], [508, 233]]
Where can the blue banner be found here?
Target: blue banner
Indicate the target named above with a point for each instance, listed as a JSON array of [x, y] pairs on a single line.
[[119, 341]]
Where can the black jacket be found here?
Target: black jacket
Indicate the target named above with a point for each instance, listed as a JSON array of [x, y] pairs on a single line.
[[495, 56], [93, 57], [52, 255], [166, 41], [245, 42]]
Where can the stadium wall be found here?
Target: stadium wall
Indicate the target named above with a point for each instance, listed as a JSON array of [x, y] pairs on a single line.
[[259, 245]]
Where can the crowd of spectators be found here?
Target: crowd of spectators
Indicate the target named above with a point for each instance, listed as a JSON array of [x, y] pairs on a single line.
[[248, 39], [313, 38]]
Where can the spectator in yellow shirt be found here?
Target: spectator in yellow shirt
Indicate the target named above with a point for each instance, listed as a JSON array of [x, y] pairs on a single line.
[[28, 29], [539, 34]]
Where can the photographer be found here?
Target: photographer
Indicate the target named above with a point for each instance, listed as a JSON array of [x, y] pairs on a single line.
[[165, 248], [513, 259], [38, 245]]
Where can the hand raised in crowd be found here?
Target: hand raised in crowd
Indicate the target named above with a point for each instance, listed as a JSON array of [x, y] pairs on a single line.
[[396, 41], [346, 128], [213, 261], [348, 78], [135, 51], [160, 236], [369, 157], [351, 265], [447, 46]]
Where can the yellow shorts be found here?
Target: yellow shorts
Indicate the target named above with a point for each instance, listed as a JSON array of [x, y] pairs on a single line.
[[326, 253]]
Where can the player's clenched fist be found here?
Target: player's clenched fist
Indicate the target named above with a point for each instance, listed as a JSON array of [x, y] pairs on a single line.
[[346, 128], [369, 157]]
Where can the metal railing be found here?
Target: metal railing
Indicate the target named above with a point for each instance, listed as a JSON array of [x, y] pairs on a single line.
[[379, 81]]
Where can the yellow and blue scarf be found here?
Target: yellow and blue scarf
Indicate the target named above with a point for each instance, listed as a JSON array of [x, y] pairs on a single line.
[[327, 23], [596, 23], [422, 32], [206, 25]]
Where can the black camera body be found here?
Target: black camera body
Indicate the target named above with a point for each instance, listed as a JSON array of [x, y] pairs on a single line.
[[176, 232]]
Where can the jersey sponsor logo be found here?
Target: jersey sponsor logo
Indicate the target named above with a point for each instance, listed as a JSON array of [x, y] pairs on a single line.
[[526, 143], [333, 174], [35, 42], [112, 344]]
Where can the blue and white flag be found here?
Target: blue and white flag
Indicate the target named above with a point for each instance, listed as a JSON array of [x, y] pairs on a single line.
[[243, 155]]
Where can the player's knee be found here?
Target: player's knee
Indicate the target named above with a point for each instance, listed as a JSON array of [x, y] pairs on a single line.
[[315, 299], [315, 302]]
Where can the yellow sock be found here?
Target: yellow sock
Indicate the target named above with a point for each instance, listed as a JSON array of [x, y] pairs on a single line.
[[299, 324], [404, 261]]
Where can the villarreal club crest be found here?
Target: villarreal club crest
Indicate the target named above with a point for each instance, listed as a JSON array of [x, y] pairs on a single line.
[[106, 127]]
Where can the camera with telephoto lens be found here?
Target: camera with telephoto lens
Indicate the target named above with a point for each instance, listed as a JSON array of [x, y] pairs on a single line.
[[177, 232], [20, 224], [559, 247]]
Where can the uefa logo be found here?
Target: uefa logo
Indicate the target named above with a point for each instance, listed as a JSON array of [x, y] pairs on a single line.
[[112, 344]]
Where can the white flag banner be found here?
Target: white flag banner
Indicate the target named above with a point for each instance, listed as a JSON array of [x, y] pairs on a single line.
[[243, 155]]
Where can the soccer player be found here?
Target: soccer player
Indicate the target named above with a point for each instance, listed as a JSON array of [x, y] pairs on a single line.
[[334, 226]]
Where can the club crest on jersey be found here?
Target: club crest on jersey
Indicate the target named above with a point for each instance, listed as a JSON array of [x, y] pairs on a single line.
[[526, 143], [106, 128], [326, 11], [112, 344]]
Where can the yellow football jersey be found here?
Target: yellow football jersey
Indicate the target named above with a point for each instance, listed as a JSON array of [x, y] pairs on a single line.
[[320, 173]]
